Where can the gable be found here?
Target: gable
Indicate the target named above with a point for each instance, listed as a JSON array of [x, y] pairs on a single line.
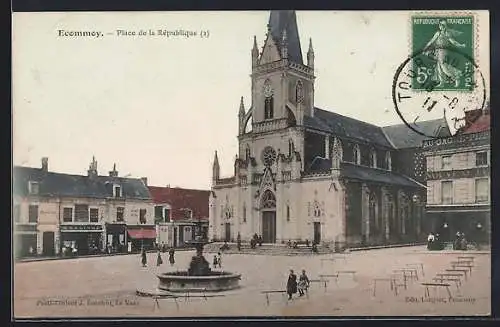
[[270, 52]]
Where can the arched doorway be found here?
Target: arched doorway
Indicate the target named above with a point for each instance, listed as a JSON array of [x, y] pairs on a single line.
[[268, 208]]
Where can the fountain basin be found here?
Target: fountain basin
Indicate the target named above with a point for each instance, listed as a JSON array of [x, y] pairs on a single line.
[[181, 281]]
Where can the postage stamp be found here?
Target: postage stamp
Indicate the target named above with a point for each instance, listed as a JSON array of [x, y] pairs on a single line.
[[440, 39]]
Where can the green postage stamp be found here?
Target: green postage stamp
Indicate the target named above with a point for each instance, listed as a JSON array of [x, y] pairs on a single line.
[[443, 52]]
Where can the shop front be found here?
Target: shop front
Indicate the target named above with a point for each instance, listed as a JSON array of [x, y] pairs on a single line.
[[141, 236], [81, 239], [473, 222], [116, 238], [25, 240]]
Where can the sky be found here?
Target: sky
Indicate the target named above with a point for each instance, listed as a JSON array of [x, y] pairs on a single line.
[[159, 107]]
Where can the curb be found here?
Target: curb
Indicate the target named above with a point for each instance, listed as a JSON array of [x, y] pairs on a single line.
[[385, 246], [90, 256]]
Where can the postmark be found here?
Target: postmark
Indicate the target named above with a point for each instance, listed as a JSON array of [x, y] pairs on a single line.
[[440, 79]]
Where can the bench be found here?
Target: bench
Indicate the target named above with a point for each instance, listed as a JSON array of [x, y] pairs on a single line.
[[463, 271], [347, 272], [321, 280], [419, 264], [156, 303], [427, 285], [195, 290], [402, 274], [392, 283], [458, 264], [413, 272], [466, 258], [271, 292], [441, 279], [336, 276]]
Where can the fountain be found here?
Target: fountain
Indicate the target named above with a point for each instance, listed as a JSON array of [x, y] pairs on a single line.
[[199, 276]]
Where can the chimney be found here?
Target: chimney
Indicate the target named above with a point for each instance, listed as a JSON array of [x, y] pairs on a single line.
[[114, 172], [145, 180], [45, 164]]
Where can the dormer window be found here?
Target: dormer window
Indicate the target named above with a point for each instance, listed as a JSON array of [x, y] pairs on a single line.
[[117, 191], [33, 187], [388, 160]]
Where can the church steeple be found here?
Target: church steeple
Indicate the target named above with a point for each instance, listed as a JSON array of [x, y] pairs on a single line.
[[215, 168], [285, 22], [255, 52], [310, 54]]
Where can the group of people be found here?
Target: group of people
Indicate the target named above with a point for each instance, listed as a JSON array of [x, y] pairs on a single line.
[[159, 260], [256, 239], [292, 285], [434, 242]]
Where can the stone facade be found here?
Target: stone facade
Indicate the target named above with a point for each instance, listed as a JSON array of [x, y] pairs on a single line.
[[303, 173]]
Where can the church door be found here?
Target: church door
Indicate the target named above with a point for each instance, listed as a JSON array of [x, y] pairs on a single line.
[[269, 226], [317, 232], [228, 232]]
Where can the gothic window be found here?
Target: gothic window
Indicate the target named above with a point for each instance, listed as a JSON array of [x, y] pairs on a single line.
[[356, 155], [290, 148], [269, 107], [268, 200], [373, 158], [268, 156], [299, 92], [244, 213], [287, 213], [247, 153], [317, 209], [388, 161]]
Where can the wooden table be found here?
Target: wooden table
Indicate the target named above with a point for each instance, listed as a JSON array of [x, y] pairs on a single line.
[[464, 271], [419, 264], [156, 303], [405, 278], [459, 264], [321, 280], [351, 272], [427, 285], [196, 290], [441, 279], [392, 283]]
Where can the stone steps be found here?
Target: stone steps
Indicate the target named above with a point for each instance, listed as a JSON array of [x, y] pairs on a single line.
[[267, 249]]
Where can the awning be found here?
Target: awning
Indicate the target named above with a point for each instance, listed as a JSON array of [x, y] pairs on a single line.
[[142, 233]]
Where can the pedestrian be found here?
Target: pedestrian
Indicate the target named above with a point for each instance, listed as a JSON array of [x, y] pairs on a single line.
[[144, 259], [260, 240], [430, 241], [314, 247], [159, 260], [303, 284], [238, 241], [291, 285], [171, 256], [219, 259], [215, 261]]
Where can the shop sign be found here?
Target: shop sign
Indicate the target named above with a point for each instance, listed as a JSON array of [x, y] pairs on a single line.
[[81, 228]]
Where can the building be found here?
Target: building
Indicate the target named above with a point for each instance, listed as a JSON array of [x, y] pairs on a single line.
[[458, 181], [92, 213], [177, 210], [304, 173]]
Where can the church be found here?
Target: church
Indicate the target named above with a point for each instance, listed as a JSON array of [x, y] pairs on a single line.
[[305, 173]]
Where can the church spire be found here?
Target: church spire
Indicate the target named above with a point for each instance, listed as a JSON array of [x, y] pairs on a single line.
[[242, 107], [310, 54], [285, 22], [255, 52], [215, 168]]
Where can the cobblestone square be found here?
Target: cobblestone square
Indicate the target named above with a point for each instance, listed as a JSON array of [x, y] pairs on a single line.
[[106, 286]]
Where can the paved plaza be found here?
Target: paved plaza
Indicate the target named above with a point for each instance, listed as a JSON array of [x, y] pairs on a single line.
[[106, 286]]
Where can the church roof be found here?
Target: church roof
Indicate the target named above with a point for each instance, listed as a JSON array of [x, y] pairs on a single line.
[[53, 184], [334, 123], [403, 137], [280, 20], [180, 199]]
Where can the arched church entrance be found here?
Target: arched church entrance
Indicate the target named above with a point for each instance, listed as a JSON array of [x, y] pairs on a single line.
[[268, 209]]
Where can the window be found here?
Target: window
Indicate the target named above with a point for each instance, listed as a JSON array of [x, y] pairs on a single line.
[[482, 190], [290, 148], [481, 158], [388, 162], [82, 213], [142, 216], [67, 215], [94, 215], [33, 187], [317, 209], [373, 158], [33, 213], [188, 213], [167, 214], [287, 213], [299, 92], [117, 191], [269, 107], [446, 162], [17, 213], [356, 157], [159, 212], [120, 211], [244, 213], [447, 192]]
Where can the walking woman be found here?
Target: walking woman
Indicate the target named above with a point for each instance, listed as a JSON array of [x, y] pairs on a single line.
[[159, 260], [303, 284], [171, 254], [144, 259], [291, 285]]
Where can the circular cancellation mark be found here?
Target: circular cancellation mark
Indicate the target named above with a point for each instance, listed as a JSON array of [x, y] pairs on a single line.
[[438, 82]]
